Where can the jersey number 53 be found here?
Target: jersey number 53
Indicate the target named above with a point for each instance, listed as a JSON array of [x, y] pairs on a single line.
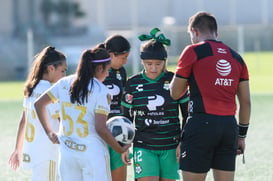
[[79, 125]]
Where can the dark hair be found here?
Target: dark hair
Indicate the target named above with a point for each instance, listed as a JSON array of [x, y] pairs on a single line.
[[203, 21], [48, 56], [153, 49], [85, 71], [116, 44]]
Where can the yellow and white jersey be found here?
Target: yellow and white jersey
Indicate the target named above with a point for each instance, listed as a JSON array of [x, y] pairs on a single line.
[[37, 147], [78, 121]]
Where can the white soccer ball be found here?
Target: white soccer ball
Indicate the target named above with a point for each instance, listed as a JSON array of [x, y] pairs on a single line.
[[122, 129]]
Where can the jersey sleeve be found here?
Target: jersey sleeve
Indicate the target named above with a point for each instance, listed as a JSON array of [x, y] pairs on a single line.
[[127, 101], [244, 74], [183, 105], [53, 92], [25, 104], [185, 63], [103, 102]]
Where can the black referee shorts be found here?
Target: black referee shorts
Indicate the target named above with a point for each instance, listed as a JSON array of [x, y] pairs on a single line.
[[209, 141]]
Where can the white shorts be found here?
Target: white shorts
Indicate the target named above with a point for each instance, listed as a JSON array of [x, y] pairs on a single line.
[[90, 164], [45, 171]]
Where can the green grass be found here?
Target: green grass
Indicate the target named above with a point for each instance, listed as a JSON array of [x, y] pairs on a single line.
[[259, 159], [11, 90], [259, 152]]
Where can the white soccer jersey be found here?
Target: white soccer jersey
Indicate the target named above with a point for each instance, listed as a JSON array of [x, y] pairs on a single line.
[[78, 120], [82, 149], [37, 147]]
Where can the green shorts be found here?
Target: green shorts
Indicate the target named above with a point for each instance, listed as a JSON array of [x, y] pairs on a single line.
[[160, 163], [115, 159]]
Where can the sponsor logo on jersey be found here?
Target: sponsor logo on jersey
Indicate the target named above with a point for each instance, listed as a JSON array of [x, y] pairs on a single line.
[[154, 101], [139, 113], [74, 146], [223, 82], [139, 87], [184, 154], [114, 90], [65, 88], [223, 68], [221, 50], [148, 122]]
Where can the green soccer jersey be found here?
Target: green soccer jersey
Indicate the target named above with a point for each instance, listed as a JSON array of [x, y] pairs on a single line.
[[115, 82], [156, 115]]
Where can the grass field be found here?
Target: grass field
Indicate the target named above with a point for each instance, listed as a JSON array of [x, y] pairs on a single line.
[[259, 151]]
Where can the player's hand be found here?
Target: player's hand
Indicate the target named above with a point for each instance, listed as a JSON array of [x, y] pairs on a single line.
[[126, 158], [178, 152], [241, 146], [125, 148], [14, 160], [53, 137]]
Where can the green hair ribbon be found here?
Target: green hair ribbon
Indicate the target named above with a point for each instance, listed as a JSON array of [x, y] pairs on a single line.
[[160, 38]]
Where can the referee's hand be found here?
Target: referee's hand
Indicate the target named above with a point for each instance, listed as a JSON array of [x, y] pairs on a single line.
[[241, 146]]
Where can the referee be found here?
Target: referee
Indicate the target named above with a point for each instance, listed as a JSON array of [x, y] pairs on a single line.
[[215, 75]]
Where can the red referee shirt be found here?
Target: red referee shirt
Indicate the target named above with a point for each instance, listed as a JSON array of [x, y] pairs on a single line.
[[214, 71]]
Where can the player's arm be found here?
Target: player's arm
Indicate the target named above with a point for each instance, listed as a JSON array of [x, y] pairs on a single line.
[[40, 106], [126, 112], [127, 103], [243, 95], [178, 87], [184, 112], [105, 134], [15, 158]]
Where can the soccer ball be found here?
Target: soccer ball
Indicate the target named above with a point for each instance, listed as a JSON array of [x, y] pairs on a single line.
[[122, 129]]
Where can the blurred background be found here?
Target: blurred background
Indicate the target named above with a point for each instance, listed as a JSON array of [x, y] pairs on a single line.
[[27, 26]]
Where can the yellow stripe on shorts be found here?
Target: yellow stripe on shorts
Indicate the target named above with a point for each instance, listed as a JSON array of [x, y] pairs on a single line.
[[52, 170]]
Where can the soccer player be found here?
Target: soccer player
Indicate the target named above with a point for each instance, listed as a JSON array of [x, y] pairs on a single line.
[[147, 101], [119, 48], [215, 74], [84, 103], [48, 67]]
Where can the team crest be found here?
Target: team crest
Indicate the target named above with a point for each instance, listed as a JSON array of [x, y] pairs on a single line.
[[166, 85], [118, 76], [129, 98], [138, 168]]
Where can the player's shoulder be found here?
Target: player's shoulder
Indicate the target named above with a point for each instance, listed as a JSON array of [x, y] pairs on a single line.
[[167, 76], [135, 79], [135, 76], [67, 79], [169, 73], [98, 86], [236, 56], [42, 86], [64, 83], [122, 69]]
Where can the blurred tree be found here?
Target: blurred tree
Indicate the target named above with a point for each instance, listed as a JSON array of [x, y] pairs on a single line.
[[64, 10], [47, 7], [16, 20]]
